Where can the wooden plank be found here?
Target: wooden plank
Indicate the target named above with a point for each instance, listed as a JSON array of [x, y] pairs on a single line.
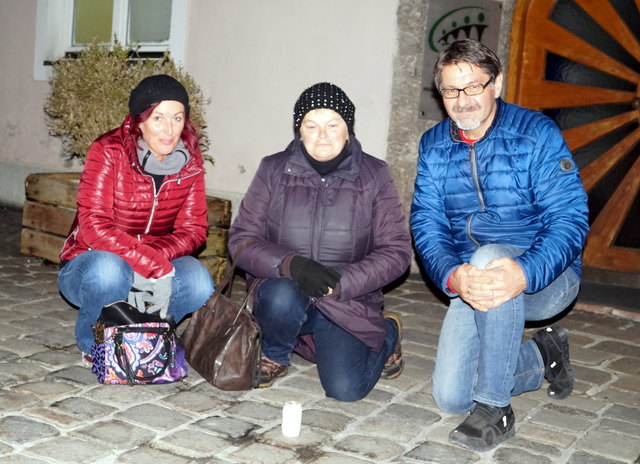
[[53, 188], [41, 244], [216, 244], [581, 136], [216, 266], [563, 43], [547, 94], [600, 167], [606, 16], [47, 218], [219, 212]]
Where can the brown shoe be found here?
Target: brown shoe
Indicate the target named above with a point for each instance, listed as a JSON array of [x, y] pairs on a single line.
[[270, 371], [395, 364]]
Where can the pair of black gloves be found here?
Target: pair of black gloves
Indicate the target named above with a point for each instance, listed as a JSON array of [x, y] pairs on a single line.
[[313, 278]]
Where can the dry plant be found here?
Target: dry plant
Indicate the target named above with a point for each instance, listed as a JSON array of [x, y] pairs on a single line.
[[90, 93]]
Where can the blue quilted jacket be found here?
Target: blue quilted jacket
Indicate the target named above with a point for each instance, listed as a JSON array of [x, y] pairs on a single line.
[[518, 186]]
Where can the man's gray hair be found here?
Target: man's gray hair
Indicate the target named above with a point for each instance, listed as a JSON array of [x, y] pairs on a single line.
[[467, 51]]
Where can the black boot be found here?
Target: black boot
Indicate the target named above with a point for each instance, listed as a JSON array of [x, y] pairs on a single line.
[[484, 428], [553, 344]]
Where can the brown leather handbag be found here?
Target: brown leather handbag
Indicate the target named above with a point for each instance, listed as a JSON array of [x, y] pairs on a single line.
[[222, 340]]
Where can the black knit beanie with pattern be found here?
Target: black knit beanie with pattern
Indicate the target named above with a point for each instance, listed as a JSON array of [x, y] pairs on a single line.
[[155, 89], [324, 95]]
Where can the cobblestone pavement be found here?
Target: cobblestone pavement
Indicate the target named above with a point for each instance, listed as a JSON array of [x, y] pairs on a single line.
[[53, 411]]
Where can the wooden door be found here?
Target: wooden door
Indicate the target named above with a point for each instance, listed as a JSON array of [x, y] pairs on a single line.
[[578, 61]]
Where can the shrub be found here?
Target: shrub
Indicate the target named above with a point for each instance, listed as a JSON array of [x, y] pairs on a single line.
[[89, 95]]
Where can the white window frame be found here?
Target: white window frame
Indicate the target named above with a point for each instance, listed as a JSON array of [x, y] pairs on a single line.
[[54, 24]]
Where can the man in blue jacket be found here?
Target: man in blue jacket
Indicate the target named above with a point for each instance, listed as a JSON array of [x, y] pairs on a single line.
[[499, 217]]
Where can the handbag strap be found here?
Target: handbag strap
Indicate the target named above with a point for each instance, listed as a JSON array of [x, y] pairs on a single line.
[[227, 281]]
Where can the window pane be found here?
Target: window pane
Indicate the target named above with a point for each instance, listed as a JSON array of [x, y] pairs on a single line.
[[92, 20], [149, 21]]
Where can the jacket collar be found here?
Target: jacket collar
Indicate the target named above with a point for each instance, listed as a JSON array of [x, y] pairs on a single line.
[[298, 165]]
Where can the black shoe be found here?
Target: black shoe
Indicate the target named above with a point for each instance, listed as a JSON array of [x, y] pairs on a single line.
[[484, 428], [557, 370]]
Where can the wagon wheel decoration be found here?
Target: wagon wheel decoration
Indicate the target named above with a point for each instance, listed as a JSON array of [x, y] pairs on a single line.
[[578, 61]]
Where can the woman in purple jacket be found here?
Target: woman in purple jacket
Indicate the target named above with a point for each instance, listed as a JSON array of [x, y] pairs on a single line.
[[323, 228]]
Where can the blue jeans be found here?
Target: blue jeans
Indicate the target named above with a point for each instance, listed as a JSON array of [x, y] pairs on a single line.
[[95, 278], [348, 369], [481, 356]]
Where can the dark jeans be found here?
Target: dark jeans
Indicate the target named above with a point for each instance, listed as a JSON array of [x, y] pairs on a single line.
[[348, 368]]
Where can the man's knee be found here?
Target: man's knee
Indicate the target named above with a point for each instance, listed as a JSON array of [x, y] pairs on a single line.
[[276, 296], [486, 253], [449, 399]]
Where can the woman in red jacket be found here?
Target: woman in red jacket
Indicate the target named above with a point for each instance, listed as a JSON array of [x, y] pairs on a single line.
[[141, 213]]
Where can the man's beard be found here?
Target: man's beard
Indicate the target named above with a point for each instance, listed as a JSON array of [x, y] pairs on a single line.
[[466, 124]]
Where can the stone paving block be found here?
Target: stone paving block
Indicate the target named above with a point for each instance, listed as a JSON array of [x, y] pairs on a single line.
[[19, 430], [18, 459], [623, 349], [610, 445], [76, 374], [258, 453], [410, 414], [121, 395], [360, 408], [592, 376], [278, 396], [617, 426], [55, 359], [309, 439], [565, 419], [69, 450], [589, 356], [613, 396], [22, 347], [422, 338], [585, 403], [13, 401], [334, 458], [401, 431], [616, 328], [508, 455], [8, 331], [37, 325], [628, 383], [154, 416], [442, 454], [628, 366], [586, 458], [116, 434], [377, 449], [147, 455], [46, 390], [191, 443], [55, 339], [71, 411], [22, 370], [227, 427], [254, 412], [546, 435], [620, 412], [7, 356], [195, 403], [535, 447], [417, 349], [305, 384], [325, 420]]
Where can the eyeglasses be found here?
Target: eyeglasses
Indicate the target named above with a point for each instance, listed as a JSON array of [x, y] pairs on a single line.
[[470, 90]]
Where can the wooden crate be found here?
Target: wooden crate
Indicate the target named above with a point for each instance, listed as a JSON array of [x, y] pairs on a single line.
[[50, 207]]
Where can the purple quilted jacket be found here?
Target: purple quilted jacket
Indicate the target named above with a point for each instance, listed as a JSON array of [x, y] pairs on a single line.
[[351, 219]]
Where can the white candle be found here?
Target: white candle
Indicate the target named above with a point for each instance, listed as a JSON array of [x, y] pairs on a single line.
[[291, 419]]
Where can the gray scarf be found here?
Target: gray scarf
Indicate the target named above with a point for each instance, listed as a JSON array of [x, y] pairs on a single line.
[[172, 163]]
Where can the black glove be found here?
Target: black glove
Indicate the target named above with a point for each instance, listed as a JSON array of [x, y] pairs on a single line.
[[313, 278]]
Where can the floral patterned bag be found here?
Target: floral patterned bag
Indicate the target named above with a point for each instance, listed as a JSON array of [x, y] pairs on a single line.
[[136, 353]]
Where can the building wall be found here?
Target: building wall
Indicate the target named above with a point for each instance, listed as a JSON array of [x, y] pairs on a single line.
[[255, 57]]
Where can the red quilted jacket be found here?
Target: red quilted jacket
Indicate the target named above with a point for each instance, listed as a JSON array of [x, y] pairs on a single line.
[[119, 212]]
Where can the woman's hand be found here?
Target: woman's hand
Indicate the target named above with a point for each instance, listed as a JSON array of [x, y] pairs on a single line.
[[314, 279]]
